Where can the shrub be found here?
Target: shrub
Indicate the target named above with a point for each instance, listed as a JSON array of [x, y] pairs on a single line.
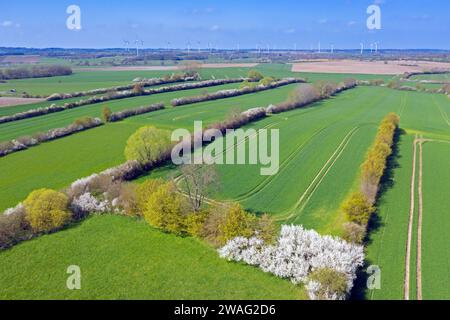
[[138, 89], [148, 145], [237, 223], [14, 227], [266, 81], [297, 253], [353, 232], [126, 199], [211, 227], [106, 114], [144, 191], [255, 75], [46, 210], [326, 88], [357, 208], [266, 229], [195, 223], [164, 209], [327, 284]]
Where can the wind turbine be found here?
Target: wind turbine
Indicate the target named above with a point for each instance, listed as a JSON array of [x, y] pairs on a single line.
[[295, 47], [126, 43], [376, 47], [362, 47], [319, 46], [371, 47], [332, 49], [137, 47], [189, 47], [198, 43]]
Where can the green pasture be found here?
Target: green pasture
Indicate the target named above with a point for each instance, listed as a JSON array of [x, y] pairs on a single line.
[[120, 258]]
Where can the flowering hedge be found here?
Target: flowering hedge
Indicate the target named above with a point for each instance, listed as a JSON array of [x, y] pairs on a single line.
[[114, 96], [25, 142], [117, 116], [307, 94], [174, 78], [234, 92], [296, 254]]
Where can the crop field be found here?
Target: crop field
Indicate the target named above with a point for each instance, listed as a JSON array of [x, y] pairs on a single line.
[[321, 149], [435, 77]]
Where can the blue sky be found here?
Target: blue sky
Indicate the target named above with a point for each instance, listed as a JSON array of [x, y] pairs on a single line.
[[282, 23]]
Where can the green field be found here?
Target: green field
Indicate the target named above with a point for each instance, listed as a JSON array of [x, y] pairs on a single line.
[[121, 258], [321, 149], [436, 77], [436, 223]]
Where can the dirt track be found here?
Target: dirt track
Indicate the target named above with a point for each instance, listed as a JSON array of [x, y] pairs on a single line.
[[410, 225], [367, 67]]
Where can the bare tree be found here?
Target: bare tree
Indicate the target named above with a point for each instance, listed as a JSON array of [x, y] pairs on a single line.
[[199, 180]]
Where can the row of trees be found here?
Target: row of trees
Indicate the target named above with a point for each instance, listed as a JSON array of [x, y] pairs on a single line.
[[25, 142], [34, 72], [359, 206]]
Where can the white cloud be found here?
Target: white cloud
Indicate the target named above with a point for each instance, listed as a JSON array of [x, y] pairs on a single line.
[[351, 23], [215, 28], [9, 24], [323, 21], [291, 30]]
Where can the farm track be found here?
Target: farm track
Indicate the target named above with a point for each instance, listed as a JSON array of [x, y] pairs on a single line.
[[402, 105], [419, 228], [410, 224], [319, 177]]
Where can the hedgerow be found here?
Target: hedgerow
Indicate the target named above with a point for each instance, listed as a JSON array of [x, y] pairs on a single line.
[[114, 96], [25, 142], [359, 206], [118, 116], [266, 85]]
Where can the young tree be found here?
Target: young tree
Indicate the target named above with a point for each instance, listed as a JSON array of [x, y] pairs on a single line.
[[237, 223], [46, 210], [199, 180], [332, 284], [164, 209], [357, 208], [148, 145], [106, 114], [255, 75]]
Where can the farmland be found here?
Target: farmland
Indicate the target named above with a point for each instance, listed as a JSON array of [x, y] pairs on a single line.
[[321, 149]]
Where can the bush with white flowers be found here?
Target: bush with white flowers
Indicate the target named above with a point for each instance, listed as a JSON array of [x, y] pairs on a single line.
[[297, 253], [87, 203]]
